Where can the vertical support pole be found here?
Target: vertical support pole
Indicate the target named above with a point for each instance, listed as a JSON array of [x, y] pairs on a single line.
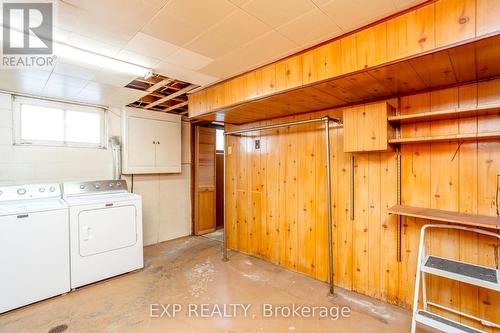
[[224, 247], [351, 189], [398, 191], [329, 202]]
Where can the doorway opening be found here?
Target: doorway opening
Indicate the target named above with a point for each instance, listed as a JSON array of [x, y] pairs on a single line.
[[209, 181]]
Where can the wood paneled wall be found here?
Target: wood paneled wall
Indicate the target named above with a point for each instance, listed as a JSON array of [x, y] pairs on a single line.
[[433, 25], [276, 201], [455, 176]]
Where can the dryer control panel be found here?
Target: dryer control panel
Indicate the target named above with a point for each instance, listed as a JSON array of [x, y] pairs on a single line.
[[98, 186]]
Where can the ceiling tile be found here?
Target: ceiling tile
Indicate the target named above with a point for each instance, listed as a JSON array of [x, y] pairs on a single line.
[[264, 49], [278, 12], [405, 4], [61, 91], [176, 72], [150, 46], [211, 44], [113, 78], [96, 93], [188, 59], [180, 21], [226, 66], [61, 35], [123, 96], [156, 4], [309, 27], [69, 69], [138, 59], [268, 48], [240, 3], [320, 2], [240, 27], [32, 73], [99, 88], [91, 96], [198, 78], [87, 18], [67, 81], [353, 14], [92, 45]]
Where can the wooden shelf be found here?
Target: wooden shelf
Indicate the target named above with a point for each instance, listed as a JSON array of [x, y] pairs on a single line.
[[452, 137], [447, 216], [481, 110]]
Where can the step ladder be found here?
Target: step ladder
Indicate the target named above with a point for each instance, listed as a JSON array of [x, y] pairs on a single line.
[[484, 277]]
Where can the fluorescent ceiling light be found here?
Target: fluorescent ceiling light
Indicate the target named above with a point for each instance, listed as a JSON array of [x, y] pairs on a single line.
[[87, 57]]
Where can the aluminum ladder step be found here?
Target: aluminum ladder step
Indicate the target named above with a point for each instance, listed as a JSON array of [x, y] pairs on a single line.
[[481, 276], [443, 324]]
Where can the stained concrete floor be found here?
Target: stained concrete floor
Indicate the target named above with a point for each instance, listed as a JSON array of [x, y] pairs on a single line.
[[189, 270], [217, 235]]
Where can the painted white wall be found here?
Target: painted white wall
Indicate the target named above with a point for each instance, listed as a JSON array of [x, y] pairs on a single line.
[[166, 198], [38, 164]]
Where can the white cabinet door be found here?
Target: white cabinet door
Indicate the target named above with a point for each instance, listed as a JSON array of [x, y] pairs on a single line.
[[141, 137], [151, 142], [168, 149]]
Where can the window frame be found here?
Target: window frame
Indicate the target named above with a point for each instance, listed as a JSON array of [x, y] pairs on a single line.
[[19, 141]]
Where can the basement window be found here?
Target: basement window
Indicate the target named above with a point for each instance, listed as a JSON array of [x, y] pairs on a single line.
[[219, 140], [40, 122]]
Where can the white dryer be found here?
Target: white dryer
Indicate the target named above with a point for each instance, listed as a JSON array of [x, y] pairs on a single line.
[[34, 244], [105, 230]]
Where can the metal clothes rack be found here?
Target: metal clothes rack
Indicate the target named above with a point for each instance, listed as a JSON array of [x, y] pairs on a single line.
[[327, 121]]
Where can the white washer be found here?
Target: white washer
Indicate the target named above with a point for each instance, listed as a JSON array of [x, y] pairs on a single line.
[[34, 244], [105, 230]]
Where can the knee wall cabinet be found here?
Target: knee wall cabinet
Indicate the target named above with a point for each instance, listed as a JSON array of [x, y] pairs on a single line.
[[366, 127], [151, 142]]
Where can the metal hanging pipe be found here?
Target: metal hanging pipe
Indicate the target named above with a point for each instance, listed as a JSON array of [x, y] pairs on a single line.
[[224, 250], [326, 121], [329, 202], [292, 123]]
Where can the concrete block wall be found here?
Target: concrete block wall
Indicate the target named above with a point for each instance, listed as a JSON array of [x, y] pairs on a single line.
[[166, 198]]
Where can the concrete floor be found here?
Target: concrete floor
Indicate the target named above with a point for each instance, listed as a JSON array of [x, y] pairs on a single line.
[[217, 235], [189, 270]]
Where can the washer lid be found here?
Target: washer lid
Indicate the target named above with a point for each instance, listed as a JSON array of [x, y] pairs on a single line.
[[89, 199], [31, 206]]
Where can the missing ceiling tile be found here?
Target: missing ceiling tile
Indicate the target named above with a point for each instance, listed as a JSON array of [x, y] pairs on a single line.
[[164, 94]]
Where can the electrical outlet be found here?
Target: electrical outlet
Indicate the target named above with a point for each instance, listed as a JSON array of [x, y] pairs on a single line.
[[229, 150], [257, 144]]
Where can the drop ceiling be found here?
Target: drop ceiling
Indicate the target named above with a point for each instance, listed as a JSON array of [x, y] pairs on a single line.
[[195, 41]]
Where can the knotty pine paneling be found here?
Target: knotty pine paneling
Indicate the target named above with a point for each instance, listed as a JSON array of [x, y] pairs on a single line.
[[401, 39], [286, 180], [292, 229], [452, 176]]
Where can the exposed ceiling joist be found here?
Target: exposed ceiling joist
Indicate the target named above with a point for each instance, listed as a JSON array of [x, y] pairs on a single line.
[[176, 106], [171, 96], [163, 94], [159, 85]]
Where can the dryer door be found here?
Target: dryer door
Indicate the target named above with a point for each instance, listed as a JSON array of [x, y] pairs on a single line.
[[106, 229]]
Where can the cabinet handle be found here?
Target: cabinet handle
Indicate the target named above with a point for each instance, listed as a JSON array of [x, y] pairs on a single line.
[[154, 142], [158, 142]]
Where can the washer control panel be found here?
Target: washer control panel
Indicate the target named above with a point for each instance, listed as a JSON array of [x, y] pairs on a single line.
[[98, 186], [29, 191]]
